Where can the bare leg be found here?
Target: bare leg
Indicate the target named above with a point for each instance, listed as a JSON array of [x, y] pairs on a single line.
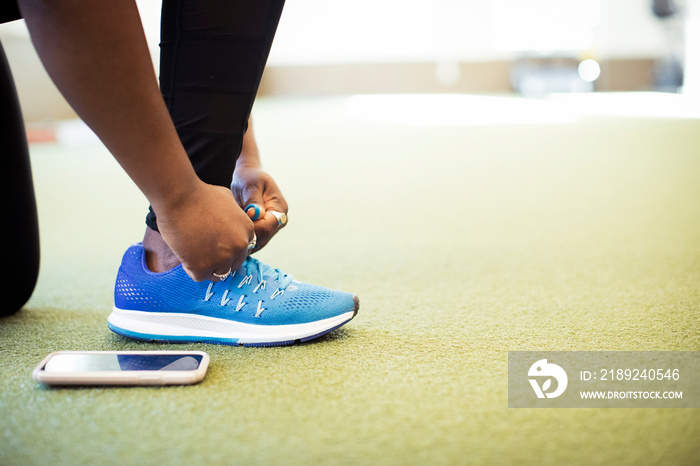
[[159, 256]]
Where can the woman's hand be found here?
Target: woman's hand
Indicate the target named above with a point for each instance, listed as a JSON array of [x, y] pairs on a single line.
[[253, 185], [206, 230]]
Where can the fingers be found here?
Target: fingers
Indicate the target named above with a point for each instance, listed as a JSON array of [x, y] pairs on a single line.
[[227, 264], [258, 194], [253, 202], [208, 232], [196, 275], [265, 228], [217, 274], [220, 272], [254, 211]]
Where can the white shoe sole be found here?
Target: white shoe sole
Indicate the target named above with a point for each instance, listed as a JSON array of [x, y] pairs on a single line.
[[191, 328]]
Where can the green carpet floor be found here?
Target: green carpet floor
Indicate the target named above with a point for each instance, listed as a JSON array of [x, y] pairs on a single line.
[[462, 242]]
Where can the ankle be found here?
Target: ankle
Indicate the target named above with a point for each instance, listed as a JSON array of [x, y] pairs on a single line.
[[159, 256]]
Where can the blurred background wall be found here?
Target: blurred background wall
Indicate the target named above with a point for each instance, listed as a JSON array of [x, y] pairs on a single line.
[[404, 46]]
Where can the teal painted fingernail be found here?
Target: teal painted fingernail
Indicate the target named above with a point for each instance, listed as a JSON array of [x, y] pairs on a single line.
[[256, 208]]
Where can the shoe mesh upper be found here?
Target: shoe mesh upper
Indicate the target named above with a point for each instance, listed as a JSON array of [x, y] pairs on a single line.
[[138, 289], [307, 296]]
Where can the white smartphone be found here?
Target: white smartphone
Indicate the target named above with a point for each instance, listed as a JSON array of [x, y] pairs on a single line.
[[122, 368]]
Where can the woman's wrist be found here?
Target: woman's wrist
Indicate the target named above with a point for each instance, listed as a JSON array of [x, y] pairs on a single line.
[[248, 161], [250, 155], [175, 195]]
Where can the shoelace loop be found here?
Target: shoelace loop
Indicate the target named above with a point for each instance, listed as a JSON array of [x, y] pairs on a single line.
[[251, 264]]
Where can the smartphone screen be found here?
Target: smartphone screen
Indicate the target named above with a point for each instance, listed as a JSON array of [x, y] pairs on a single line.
[[122, 368], [122, 362]]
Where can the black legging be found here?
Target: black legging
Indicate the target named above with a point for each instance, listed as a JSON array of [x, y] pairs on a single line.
[[19, 247], [213, 53], [212, 56]]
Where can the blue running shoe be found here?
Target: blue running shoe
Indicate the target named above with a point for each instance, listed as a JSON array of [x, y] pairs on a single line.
[[256, 306]]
